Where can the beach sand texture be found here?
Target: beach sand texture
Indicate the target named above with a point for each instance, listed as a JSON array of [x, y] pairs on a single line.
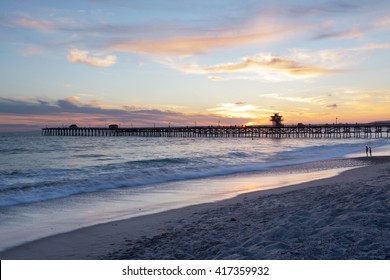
[[349, 219], [343, 217]]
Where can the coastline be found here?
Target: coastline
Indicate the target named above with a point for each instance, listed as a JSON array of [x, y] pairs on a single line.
[[215, 225]]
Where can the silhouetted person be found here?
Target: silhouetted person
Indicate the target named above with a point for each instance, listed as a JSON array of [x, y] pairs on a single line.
[[369, 148], [366, 151]]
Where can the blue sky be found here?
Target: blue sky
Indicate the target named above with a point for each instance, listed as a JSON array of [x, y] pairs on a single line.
[[143, 63]]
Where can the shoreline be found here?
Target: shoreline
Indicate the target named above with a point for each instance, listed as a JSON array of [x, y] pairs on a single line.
[[26, 223], [118, 239]]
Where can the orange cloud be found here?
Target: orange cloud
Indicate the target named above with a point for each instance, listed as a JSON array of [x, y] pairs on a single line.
[[26, 21], [264, 31], [33, 50], [72, 98], [182, 46], [382, 23], [266, 65], [237, 110], [81, 56], [300, 99]]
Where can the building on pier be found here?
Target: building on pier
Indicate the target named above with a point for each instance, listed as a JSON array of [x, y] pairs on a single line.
[[276, 120], [113, 126]]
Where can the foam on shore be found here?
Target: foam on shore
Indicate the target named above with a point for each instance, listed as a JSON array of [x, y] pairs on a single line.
[[343, 217]]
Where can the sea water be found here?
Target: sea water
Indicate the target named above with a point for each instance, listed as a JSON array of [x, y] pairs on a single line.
[[51, 184]]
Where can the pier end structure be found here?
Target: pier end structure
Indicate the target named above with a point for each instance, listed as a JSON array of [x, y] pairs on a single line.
[[276, 120]]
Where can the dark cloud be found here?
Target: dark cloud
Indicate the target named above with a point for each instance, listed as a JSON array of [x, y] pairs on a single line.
[[347, 34], [329, 35], [40, 107], [26, 107], [39, 113], [325, 7]]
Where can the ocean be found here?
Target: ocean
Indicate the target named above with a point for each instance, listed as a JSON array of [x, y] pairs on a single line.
[[50, 184]]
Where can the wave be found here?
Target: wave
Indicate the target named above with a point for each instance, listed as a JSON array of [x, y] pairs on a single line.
[[42, 184], [240, 154], [13, 150], [90, 156]]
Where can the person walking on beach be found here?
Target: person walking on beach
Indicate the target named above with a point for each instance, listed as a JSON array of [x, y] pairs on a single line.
[[366, 151], [369, 148]]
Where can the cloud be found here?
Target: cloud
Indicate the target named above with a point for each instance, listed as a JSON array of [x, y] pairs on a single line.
[[33, 106], [82, 56], [25, 106], [164, 37], [60, 23], [300, 99], [26, 21], [262, 26], [359, 29], [329, 7], [32, 50], [353, 33], [237, 110], [382, 23], [39, 113], [181, 41], [184, 46], [370, 47], [216, 78], [337, 60], [267, 66]]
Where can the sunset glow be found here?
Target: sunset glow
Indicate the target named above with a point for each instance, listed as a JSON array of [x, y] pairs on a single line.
[[160, 63]]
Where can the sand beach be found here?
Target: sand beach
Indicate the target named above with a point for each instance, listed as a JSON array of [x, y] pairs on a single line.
[[342, 217]]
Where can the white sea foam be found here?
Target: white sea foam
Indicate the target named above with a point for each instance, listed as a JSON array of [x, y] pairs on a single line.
[[62, 182], [44, 168]]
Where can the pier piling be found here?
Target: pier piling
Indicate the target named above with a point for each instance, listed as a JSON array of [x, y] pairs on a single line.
[[288, 131]]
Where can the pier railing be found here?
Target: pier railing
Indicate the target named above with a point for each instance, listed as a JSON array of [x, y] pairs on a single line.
[[288, 131]]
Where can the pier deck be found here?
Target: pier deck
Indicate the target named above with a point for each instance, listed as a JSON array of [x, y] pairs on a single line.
[[288, 131]]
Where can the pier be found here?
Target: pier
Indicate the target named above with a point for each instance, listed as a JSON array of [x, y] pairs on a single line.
[[258, 131]]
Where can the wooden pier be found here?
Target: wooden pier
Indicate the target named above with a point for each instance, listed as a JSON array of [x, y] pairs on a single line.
[[288, 131]]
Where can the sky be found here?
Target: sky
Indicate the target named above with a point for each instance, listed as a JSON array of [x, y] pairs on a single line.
[[184, 62]]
